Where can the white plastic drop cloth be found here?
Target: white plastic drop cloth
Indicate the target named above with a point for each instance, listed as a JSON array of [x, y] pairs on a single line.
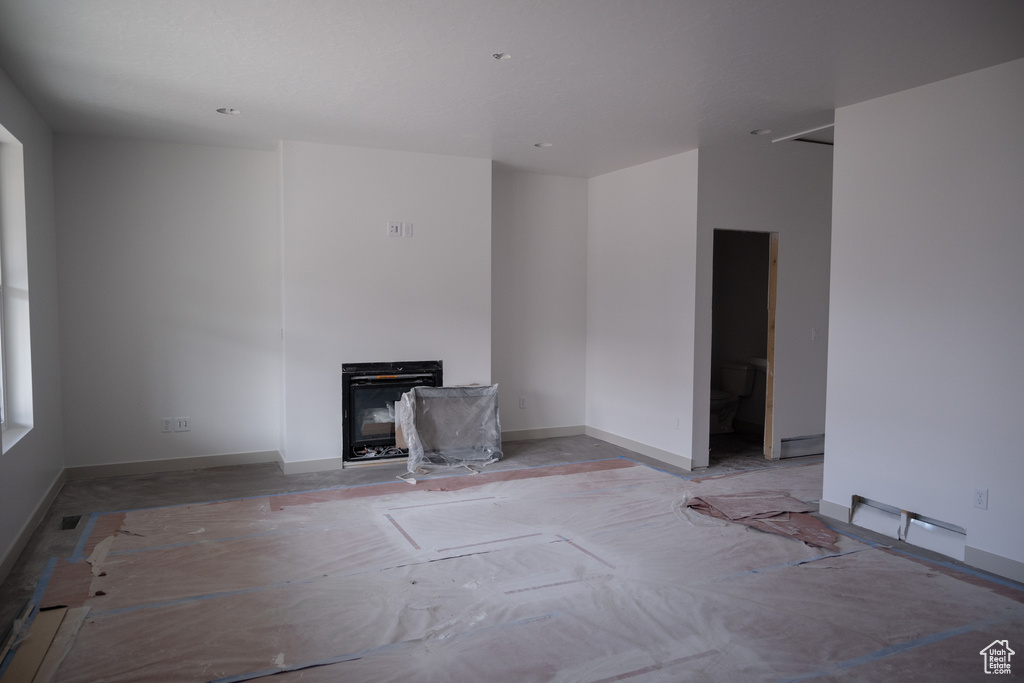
[[587, 572]]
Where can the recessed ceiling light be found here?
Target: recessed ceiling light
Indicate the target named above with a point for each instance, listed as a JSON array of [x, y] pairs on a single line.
[[502, 55], [543, 144], [761, 131], [228, 110]]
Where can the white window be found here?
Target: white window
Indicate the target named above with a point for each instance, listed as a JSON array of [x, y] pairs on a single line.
[[3, 355], [15, 347]]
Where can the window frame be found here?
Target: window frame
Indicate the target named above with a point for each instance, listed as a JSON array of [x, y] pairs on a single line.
[[15, 329]]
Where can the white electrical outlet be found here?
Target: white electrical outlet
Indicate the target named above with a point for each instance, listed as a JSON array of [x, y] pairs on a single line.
[[522, 402], [394, 229], [981, 498], [182, 424]]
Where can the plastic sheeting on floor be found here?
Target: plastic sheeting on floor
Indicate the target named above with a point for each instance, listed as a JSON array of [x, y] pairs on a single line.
[[588, 572]]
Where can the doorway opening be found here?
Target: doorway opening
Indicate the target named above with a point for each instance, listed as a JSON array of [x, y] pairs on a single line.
[[742, 343]]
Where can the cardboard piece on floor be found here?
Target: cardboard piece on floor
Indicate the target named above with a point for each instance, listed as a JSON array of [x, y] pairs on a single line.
[[61, 644], [30, 653], [772, 511]]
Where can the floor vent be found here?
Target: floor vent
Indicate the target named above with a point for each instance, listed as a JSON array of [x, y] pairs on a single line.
[[70, 522]]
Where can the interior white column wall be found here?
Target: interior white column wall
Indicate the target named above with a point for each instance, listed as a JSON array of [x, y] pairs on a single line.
[[539, 301], [170, 299], [925, 375], [30, 468], [353, 294], [786, 188], [641, 276]]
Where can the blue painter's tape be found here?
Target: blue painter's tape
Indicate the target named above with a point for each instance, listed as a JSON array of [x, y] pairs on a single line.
[[348, 657], [688, 477], [343, 486], [896, 649], [76, 556], [97, 614], [658, 469], [44, 581], [224, 539], [783, 565], [6, 662], [970, 571], [79, 551], [873, 544]]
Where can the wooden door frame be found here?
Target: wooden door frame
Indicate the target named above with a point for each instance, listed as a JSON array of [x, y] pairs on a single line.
[[769, 399]]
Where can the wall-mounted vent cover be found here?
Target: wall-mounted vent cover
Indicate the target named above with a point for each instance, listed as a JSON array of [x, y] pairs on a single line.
[[911, 527]]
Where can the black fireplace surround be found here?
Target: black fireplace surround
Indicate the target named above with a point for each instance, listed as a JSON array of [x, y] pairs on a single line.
[[369, 393]]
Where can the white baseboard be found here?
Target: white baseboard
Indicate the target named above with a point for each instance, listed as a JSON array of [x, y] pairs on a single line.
[[641, 448], [544, 433], [117, 469], [840, 513], [793, 447], [23, 537], [994, 564], [307, 466]]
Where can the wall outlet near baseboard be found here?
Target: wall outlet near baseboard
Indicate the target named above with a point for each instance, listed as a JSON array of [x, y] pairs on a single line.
[[981, 498]]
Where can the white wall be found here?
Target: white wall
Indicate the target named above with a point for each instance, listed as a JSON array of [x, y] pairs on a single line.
[[925, 373], [352, 294], [641, 274], [539, 299], [30, 468], [786, 187], [169, 289]]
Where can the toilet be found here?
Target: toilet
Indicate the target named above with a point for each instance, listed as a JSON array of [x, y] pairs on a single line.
[[737, 381]]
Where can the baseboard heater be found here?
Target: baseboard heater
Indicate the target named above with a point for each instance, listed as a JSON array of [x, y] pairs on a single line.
[[812, 444], [911, 527]]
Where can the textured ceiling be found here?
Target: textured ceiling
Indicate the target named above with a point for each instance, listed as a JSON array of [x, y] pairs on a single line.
[[610, 83]]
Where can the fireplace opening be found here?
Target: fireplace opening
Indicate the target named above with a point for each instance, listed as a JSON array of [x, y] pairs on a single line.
[[369, 393]]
